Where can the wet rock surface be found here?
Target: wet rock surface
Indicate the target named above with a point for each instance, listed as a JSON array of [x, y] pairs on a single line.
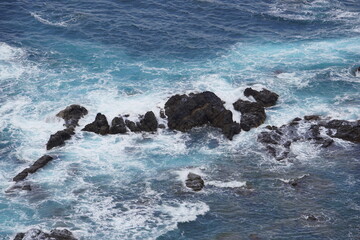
[[99, 126], [36, 234], [194, 181], [314, 128], [185, 112], [40, 163], [264, 97]]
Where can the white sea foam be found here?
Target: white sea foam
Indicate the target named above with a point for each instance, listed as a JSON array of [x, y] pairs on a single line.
[[47, 22], [230, 184]]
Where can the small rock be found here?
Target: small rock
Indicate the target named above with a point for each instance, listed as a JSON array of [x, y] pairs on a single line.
[[41, 162], [252, 114], [311, 218], [265, 97], [162, 125], [194, 181], [149, 123], [72, 114]]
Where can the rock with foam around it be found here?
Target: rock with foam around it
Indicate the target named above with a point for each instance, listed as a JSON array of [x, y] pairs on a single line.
[[99, 126]]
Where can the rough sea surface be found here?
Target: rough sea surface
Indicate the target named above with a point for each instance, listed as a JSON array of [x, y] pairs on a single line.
[[129, 57]]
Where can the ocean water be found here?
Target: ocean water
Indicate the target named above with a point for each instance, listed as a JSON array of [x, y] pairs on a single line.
[[129, 57]]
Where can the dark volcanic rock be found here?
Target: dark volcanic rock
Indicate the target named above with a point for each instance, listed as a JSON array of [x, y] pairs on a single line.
[[117, 126], [134, 127], [72, 114], [311, 218], [149, 123], [187, 111], [36, 234], [252, 114], [99, 126], [264, 97], [59, 138], [194, 182], [41, 162]]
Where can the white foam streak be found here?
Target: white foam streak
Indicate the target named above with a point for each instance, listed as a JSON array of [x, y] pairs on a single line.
[[230, 184], [47, 22]]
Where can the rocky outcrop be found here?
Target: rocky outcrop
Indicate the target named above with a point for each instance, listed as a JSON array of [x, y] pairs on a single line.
[[72, 115], [252, 114], [59, 138], [117, 126], [55, 234], [264, 97], [41, 162], [194, 181], [99, 126], [185, 112], [312, 128]]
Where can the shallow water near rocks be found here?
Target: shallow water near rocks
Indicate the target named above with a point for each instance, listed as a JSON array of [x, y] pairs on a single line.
[[129, 57]]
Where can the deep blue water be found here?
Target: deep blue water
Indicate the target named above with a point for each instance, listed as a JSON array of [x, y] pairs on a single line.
[[119, 57]]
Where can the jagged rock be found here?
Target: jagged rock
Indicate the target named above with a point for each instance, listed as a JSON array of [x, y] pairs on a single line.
[[265, 97], [41, 162], [194, 181], [36, 234], [134, 127], [252, 114], [117, 126], [99, 126], [59, 138], [149, 123], [72, 114], [187, 111]]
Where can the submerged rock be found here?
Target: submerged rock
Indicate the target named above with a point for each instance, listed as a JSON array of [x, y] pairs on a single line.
[[252, 114], [99, 126], [194, 181], [41, 162], [36, 234], [72, 114], [265, 97], [185, 112], [59, 138], [117, 126]]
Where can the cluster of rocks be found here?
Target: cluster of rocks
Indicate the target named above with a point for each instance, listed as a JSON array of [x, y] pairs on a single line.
[[314, 128], [253, 113], [55, 234], [147, 123]]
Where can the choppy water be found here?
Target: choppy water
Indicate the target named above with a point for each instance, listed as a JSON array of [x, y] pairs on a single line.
[[119, 57]]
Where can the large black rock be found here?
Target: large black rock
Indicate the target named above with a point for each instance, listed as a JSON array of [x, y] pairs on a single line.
[[72, 114], [99, 126], [346, 130], [264, 97], [41, 162], [59, 138], [197, 109], [36, 234], [252, 114]]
